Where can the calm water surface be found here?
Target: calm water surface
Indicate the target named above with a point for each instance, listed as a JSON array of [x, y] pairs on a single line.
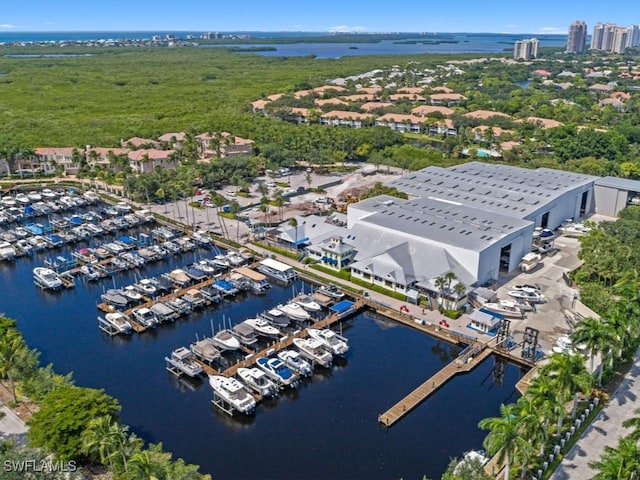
[[326, 429]]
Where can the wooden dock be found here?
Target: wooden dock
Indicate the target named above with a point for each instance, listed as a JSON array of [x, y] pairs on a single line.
[[462, 364]]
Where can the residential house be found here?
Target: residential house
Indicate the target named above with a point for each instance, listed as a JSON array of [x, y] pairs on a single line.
[[328, 88], [600, 88], [68, 158], [485, 114], [102, 155], [371, 90], [321, 102], [411, 90], [541, 73], [137, 142], [401, 122], [173, 140], [481, 132], [448, 99], [222, 145], [146, 160], [613, 102], [426, 110], [302, 93], [444, 127], [412, 97], [370, 106], [299, 115], [344, 118], [441, 89], [543, 123], [361, 97]]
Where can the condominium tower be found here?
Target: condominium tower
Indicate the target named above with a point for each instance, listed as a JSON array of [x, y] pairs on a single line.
[[526, 49], [577, 39], [609, 37]]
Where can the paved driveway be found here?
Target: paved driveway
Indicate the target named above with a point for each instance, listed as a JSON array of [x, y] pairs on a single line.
[[12, 427]]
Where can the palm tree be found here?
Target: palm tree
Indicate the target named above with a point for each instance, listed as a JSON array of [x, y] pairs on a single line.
[[12, 349], [142, 466], [621, 463], [97, 439], [543, 392], [533, 421], [294, 223], [570, 377], [596, 335], [505, 437], [634, 423]]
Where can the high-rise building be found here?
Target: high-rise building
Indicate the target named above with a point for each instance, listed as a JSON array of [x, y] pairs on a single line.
[[526, 49], [596, 38], [577, 39], [608, 35], [619, 43], [633, 36]]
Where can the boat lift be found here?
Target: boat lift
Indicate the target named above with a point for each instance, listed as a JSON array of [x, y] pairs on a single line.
[[106, 327]]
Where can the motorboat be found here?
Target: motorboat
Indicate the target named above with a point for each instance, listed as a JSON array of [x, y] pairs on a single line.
[[46, 278], [116, 322], [146, 287], [179, 277], [182, 360], [506, 308], [571, 229], [233, 392], [334, 343], [296, 362], [219, 262], [225, 340], [178, 305], [245, 333], [522, 305], [308, 303], [206, 350], [263, 327], [276, 317], [278, 371], [163, 312], [529, 296], [294, 311], [257, 380], [529, 261], [544, 233], [90, 272], [131, 293], [331, 291], [145, 317], [205, 267], [7, 251], [314, 350], [526, 287], [194, 298], [115, 298]]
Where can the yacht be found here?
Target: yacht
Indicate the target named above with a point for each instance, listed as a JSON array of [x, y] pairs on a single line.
[[294, 312], [295, 362], [183, 361], [146, 287], [530, 261], [179, 277], [308, 303], [232, 392], [47, 278], [313, 349], [276, 317], [278, 371], [206, 350], [245, 333], [506, 308], [263, 327], [116, 322], [131, 293], [225, 340], [145, 317], [7, 251], [336, 344], [258, 381], [331, 291], [528, 296], [178, 305], [163, 312]]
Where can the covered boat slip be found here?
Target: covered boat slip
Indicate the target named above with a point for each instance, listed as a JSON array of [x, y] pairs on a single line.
[[277, 270], [257, 280], [343, 308]]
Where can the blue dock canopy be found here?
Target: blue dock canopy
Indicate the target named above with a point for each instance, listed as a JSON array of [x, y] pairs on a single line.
[[341, 307]]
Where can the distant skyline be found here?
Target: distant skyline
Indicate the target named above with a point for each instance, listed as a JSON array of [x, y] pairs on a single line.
[[494, 16]]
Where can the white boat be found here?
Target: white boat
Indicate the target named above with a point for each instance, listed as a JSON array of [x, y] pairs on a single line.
[[116, 322], [233, 393], [544, 233], [313, 349], [7, 251], [179, 277], [258, 381], [225, 340], [146, 287], [295, 362], [506, 308], [145, 317], [308, 303], [294, 312], [331, 291], [533, 297], [245, 333], [47, 278], [571, 229], [183, 361], [278, 371], [90, 272], [526, 287], [334, 343], [115, 297], [263, 327], [276, 317], [23, 199], [529, 261], [131, 293], [206, 350], [163, 312]]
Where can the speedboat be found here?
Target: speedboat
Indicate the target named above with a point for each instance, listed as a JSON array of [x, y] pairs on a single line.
[[115, 297], [530, 261], [163, 312], [145, 317], [528, 296], [117, 322], [7, 251], [258, 381], [131, 293], [205, 267], [179, 277], [528, 288], [543, 233], [47, 278], [206, 350], [308, 303], [570, 229], [90, 272], [276, 317], [506, 308], [295, 362], [313, 349], [225, 340], [183, 361], [263, 327], [146, 287], [336, 344], [294, 312], [331, 291], [231, 391], [278, 371]]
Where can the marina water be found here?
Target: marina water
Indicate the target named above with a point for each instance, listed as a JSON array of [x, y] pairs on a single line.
[[327, 428]]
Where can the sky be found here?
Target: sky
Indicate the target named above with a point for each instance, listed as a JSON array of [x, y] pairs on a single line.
[[495, 16]]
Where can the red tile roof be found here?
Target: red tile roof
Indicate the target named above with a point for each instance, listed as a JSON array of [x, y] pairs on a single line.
[[425, 110]]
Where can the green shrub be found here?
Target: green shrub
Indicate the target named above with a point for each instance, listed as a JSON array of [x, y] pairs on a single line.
[[452, 314], [343, 274]]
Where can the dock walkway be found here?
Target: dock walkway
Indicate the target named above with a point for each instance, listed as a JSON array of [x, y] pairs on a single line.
[[421, 393]]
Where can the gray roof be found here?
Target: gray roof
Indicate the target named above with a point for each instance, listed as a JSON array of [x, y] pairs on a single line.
[[512, 191], [441, 221], [621, 183]]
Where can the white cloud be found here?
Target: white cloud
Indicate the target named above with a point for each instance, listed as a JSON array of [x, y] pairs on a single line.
[[346, 29], [511, 25], [552, 30], [7, 25]]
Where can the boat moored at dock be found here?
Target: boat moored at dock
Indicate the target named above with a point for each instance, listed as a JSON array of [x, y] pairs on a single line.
[[295, 362], [114, 323], [277, 270], [334, 343], [233, 393], [312, 349], [278, 371], [257, 380], [263, 328], [46, 278], [182, 361]]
